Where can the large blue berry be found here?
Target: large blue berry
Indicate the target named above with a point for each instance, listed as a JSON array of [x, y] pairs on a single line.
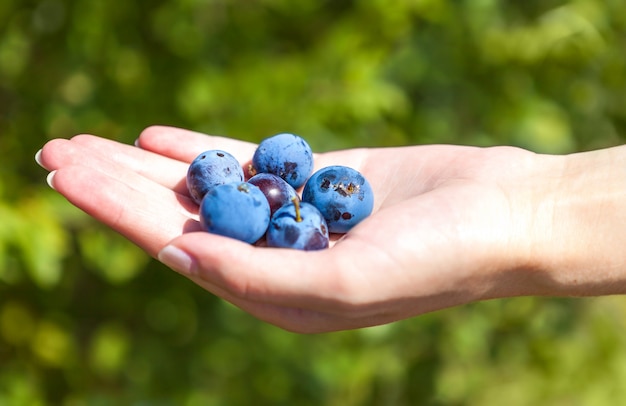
[[342, 195], [298, 225], [209, 169], [286, 155], [236, 210]]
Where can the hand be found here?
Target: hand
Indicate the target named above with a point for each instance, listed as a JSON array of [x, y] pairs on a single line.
[[451, 225]]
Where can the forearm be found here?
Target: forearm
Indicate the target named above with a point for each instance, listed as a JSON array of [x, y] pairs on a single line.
[[577, 225]]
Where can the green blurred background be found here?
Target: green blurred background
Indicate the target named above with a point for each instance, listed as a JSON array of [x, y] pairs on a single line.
[[87, 319]]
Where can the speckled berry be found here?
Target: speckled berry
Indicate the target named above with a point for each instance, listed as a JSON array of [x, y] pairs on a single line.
[[209, 169], [286, 155], [341, 194]]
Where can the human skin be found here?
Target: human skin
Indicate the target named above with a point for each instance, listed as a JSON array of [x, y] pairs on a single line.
[[451, 225]]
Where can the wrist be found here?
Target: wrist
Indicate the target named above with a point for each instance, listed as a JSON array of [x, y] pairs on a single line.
[[575, 225]]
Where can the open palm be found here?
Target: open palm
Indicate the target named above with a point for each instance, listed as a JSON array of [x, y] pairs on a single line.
[[442, 232]]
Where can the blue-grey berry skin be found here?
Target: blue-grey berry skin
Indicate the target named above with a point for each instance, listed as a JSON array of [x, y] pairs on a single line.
[[209, 169], [308, 234], [236, 210], [342, 195], [286, 155]]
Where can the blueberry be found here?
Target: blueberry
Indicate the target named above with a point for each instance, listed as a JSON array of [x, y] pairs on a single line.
[[209, 169], [237, 210], [277, 191], [298, 225], [342, 195], [286, 155]]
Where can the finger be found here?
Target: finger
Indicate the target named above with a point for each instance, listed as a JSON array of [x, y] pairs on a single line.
[[145, 212], [185, 145], [293, 303], [164, 170], [294, 299], [111, 157], [294, 319], [323, 281]]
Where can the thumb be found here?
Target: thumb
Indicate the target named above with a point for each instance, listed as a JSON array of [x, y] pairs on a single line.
[[279, 276]]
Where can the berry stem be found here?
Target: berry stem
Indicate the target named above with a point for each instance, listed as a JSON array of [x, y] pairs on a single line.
[[296, 203]]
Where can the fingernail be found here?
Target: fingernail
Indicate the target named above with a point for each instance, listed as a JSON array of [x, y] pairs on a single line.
[[50, 179], [38, 158], [176, 259], [137, 143]]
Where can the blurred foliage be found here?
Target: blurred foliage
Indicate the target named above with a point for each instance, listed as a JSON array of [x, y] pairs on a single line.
[[87, 319]]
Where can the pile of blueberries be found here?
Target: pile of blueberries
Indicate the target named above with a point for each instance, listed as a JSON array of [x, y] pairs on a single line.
[[334, 199]]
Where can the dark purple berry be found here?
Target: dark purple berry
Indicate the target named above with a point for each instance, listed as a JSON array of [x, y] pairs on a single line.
[[277, 191]]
